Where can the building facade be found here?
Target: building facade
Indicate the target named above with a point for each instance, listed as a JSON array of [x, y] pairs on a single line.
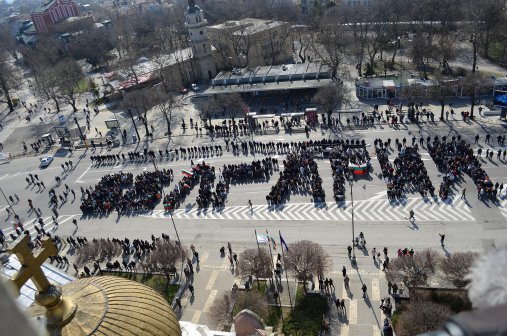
[[50, 12], [252, 42], [200, 43]]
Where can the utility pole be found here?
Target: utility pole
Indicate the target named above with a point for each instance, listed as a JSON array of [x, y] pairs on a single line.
[[351, 183], [134, 123]]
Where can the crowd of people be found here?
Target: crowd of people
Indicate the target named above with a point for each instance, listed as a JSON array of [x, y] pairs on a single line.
[[340, 158], [244, 172], [300, 174], [407, 170], [121, 192], [182, 189], [455, 157]]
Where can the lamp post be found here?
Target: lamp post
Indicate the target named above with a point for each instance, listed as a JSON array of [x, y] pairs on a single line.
[[351, 183]]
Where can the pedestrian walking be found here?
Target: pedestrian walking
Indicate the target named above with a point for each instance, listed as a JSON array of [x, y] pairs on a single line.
[[75, 267], [442, 238], [374, 253], [74, 221], [349, 251], [463, 194], [346, 282], [178, 303], [364, 289], [389, 286], [344, 271], [191, 289], [410, 215], [229, 247]]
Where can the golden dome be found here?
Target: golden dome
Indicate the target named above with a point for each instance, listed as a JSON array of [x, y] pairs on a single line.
[[109, 305]]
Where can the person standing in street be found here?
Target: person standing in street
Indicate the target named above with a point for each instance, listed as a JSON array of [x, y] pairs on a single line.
[[410, 216], [442, 239], [364, 289]]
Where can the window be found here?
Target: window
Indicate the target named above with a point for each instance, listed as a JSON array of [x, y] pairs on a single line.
[[200, 32]]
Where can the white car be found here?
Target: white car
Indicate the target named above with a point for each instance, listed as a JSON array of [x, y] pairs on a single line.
[[46, 161], [195, 87]]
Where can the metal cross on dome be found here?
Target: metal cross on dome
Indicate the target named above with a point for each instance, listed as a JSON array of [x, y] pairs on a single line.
[[31, 265]]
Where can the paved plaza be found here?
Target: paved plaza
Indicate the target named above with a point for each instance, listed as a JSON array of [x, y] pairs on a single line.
[[469, 224]]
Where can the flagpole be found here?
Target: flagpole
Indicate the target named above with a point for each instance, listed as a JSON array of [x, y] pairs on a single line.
[[258, 255], [284, 269], [271, 254]]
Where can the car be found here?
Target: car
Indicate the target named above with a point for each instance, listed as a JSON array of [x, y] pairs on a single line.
[[195, 87], [183, 90], [46, 161]]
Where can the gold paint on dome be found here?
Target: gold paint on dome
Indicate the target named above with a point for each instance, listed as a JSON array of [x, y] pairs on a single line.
[[101, 306]]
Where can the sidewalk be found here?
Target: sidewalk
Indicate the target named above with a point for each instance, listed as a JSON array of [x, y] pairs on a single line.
[[363, 316]]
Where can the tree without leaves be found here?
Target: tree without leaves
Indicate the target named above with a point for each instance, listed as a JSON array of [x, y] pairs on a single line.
[[166, 103], [306, 257], [420, 317], [255, 262], [141, 101], [457, 266], [230, 103], [332, 96], [422, 51], [441, 91], [220, 316], [330, 45], [69, 75], [413, 270], [473, 86], [9, 80], [164, 257]]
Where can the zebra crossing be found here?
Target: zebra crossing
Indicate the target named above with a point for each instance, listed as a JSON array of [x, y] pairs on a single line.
[[503, 208], [48, 224], [365, 210]]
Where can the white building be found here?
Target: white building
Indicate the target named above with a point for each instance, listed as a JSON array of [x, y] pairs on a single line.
[[201, 45]]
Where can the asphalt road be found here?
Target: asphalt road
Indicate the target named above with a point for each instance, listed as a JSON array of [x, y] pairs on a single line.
[[467, 225]]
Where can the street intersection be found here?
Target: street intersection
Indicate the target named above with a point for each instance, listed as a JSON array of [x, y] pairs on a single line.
[[469, 224]]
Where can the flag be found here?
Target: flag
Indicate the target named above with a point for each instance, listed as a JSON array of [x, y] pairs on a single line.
[[187, 173], [283, 243], [262, 239], [358, 169], [272, 242]]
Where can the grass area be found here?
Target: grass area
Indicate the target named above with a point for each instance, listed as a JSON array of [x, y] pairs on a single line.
[[498, 53], [261, 286], [306, 318], [83, 85], [154, 281]]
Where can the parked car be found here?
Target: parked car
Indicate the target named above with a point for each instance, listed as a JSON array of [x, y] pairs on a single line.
[[195, 87], [46, 161]]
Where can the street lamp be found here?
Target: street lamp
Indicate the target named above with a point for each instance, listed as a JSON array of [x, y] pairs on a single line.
[[351, 183]]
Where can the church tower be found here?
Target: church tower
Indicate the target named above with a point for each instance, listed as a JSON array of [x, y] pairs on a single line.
[[201, 46]]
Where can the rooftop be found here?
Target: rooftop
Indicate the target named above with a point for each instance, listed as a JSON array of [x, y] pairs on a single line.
[[248, 25], [274, 77], [45, 5]]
